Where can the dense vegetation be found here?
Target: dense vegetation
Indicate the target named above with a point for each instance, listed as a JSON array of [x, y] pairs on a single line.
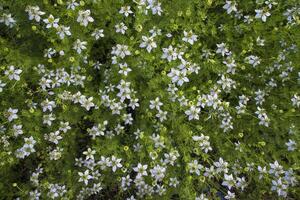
[[149, 99]]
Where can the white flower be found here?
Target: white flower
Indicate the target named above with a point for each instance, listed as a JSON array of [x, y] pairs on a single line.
[[155, 7], [193, 112], [124, 69], [296, 100], [262, 171], [134, 103], [12, 73], [1, 86], [178, 76], [262, 116], [141, 170], [203, 142], [115, 163], [121, 51], [161, 115], [17, 129], [158, 172], [45, 83], [230, 7], [221, 165], [29, 144], [280, 187], [34, 13], [131, 198], [189, 37], [84, 17], [173, 182], [34, 195], [169, 53], [222, 49], [248, 19], [87, 103], [260, 42], [79, 46], [201, 197], [12, 114], [231, 65], [48, 105], [125, 10], [253, 60], [98, 33], [7, 20], [49, 52], [64, 126], [158, 141], [226, 83], [104, 163], [230, 195], [276, 168], [51, 22], [72, 4], [121, 28], [229, 181], [270, 3], [149, 43], [85, 177], [47, 119], [291, 144], [56, 153], [89, 154], [155, 103], [62, 31], [263, 14], [125, 183], [54, 137], [195, 167]]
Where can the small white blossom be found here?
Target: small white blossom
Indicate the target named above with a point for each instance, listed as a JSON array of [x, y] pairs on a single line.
[[230, 7], [155, 103], [115, 163], [62, 31], [121, 28], [12, 73], [72, 4], [189, 37], [148, 43], [124, 69], [125, 10], [195, 167], [141, 170], [262, 14], [2, 85], [291, 145], [89, 154], [51, 22], [85, 177], [84, 17], [193, 112], [8, 20], [12, 114], [222, 49], [98, 33], [34, 13], [79, 46], [296, 101]]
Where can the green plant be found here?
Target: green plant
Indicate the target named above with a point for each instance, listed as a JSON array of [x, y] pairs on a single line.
[[148, 99]]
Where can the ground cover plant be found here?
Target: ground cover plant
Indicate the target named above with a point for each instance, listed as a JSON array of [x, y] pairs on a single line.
[[149, 99]]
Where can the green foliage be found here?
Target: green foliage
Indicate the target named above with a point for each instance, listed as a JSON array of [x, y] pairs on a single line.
[[186, 85]]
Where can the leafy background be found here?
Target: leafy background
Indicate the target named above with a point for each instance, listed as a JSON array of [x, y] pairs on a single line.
[[24, 46]]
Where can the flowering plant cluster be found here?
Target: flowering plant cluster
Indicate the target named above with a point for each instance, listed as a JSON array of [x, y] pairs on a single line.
[[149, 99]]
